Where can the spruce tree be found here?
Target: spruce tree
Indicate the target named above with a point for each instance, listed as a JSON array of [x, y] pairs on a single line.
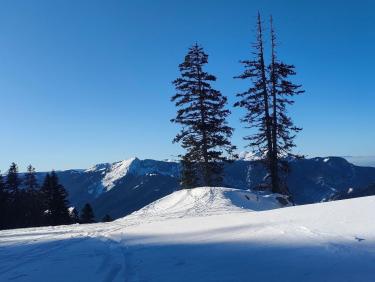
[[30, 182], [205, 134], [55, 201], [59, 207], [15, 208], [13, 182], [256, 101], [87, 214], [283, 128], [46, 198], [266, 104], [3, 204], [32, 202], [189, 174]]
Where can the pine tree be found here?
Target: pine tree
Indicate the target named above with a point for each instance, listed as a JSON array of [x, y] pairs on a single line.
[[256, 100], [3, 204], [13, 182], [2, 184], [189, 174], [283, 128], [59, 207], [46, 195], [87, 214], [32, 200], [30, 182], [205, 134], [54, 201], [107, 218], [16, 211], [266, 104]]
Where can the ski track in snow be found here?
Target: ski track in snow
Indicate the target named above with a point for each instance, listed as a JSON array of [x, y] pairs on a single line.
[[202, 234]]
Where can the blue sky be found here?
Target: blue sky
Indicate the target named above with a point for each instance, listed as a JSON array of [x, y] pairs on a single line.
[[83, 82]]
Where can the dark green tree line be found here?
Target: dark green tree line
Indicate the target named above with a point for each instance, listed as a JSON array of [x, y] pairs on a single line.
[[24, 203]]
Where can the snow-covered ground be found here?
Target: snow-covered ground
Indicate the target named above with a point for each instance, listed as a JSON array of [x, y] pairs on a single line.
[[203, 234]]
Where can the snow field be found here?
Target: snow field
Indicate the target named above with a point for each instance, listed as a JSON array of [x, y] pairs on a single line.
[[203, 234]]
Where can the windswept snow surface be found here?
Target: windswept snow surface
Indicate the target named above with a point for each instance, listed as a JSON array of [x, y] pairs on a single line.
[[205, 201], [116, 172], [203, 234]]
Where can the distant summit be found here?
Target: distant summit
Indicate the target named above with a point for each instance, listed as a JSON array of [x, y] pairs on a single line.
[[123, 187]]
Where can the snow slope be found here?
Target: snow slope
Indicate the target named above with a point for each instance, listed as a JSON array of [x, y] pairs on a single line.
[[205, 201], [203, 234], [112, 173], [117, 171]]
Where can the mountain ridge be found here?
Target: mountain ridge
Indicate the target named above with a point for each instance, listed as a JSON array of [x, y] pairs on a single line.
[[123, 187]]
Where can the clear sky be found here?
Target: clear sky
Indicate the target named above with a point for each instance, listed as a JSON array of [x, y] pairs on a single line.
[[83, 82]]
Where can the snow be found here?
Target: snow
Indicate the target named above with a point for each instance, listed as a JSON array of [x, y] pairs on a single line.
[[117, 171], [204, 201], [111, 173], [203, 234], [248, 156], [98, 167]]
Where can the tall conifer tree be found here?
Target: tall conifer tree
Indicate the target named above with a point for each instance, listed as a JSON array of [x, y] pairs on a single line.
[[59, 204], [30, 182], [266, 101], [15, 209], [46, 194], [3, 203], [55, 201], [283, 129], [32, 201], [205, 134], [256, 101], [13, 182]]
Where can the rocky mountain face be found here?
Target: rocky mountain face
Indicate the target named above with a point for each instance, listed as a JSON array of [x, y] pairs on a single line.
[[123, 187]]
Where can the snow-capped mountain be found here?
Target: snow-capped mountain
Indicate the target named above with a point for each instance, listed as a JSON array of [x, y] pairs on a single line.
[[113, 173], [123, 187], [248, 156]]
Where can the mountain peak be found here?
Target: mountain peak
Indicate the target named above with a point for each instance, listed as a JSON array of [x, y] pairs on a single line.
[[247, 156], [117, 171]]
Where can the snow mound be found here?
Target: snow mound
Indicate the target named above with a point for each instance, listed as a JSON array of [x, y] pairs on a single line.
[[332, 241], [209, 200]]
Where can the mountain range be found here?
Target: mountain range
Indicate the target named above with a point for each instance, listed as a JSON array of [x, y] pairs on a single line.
[[123, 187]]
